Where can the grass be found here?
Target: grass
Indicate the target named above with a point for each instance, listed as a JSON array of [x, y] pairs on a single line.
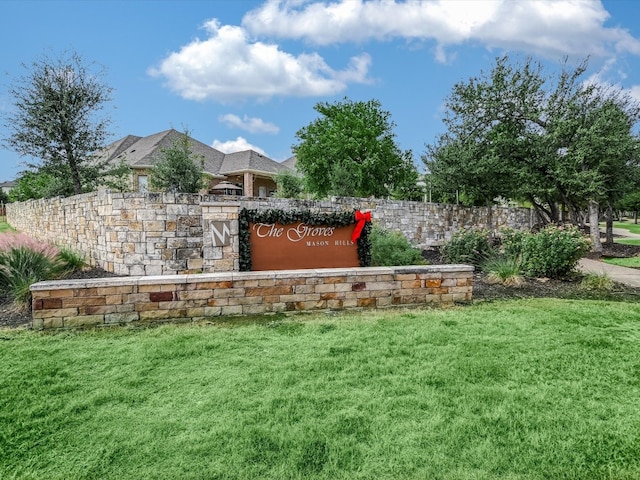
[[628, 241], [631, 227], [4, 226], [528, 389], [633, 262]]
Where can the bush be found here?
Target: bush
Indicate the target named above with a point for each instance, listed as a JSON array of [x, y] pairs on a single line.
[[20, 267], [468, 246], [594, 282], [503, 269], [552, 252], [392, 248], [24, 261]]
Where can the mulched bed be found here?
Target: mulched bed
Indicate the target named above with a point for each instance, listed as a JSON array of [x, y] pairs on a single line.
[[482, 290]]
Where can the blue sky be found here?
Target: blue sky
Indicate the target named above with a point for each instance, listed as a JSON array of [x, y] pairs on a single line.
[[242, 74]]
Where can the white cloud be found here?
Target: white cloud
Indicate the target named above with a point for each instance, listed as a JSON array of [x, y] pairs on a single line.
[[545, 27], [228, 66], [238, 145], [634, 91], [250, 124]]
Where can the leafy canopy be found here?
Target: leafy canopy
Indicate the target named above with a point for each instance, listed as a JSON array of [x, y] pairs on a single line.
[[57, 120], [177, 169], [350, 150], [518, 133]]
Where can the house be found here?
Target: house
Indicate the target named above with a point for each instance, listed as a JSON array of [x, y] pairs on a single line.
[[6, 187], [247, 173]]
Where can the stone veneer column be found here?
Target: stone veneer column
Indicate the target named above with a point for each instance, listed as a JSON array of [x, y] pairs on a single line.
[[248, 184], [221, 242]]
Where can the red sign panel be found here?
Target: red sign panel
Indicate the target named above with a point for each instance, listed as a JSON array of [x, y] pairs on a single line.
[[275, 246]]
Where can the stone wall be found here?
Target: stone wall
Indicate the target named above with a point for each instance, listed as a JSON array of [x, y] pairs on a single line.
[[166, 234], [126, 300]]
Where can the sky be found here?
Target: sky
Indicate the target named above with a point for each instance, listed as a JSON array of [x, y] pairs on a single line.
[[243, 74]]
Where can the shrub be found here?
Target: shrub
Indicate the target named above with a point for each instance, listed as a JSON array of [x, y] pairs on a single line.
[[552, 252], [25, 261], [22, 266], [70, 261], [468, 246], [392, 248], [595, 282], [503, 269]]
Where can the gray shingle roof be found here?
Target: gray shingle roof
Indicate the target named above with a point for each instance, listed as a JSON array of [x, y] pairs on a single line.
[[250, 160], [142, 152]]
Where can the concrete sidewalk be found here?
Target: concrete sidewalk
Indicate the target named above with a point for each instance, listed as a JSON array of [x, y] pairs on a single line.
[[624, 275]]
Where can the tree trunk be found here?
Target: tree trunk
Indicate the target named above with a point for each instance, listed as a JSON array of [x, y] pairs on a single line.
[[594, 228], [609, 229]]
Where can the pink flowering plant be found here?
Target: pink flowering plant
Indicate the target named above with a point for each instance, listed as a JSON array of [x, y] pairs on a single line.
[[12, 240], [24, 261]]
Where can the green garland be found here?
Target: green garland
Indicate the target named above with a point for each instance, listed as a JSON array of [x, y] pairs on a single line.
[[283, 217]]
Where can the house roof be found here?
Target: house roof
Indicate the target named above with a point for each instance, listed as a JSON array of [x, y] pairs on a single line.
[[250, 161], [142, 152], [290, 162], [10, 183]]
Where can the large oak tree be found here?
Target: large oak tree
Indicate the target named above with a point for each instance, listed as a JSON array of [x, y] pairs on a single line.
[[552, 140]]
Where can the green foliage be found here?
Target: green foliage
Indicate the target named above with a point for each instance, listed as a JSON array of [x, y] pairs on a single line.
[[284, 217], [118, 177], [521, 134], [178, 169], [20, 267], [392, 248], [503, 269], [55, 119], [34, 185], [472, 246], [552, 252], [289, 184], [351, 151], [70, 261], [24, 261], [4, 197]]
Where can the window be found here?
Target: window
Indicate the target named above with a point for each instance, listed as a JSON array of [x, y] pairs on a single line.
[[143, 183]]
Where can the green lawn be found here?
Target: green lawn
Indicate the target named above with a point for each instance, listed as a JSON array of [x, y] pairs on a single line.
[[528, 389], [628, 241], [4, 226], [630, 226], [633, 262]]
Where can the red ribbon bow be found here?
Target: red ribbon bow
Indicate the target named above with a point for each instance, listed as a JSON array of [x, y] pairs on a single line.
[[361, 218]]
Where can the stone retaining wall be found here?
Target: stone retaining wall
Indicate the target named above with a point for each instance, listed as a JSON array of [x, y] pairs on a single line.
[[167, 234], [127, 300]]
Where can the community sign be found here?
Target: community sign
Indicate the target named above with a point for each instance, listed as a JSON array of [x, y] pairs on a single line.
[[276, 246]]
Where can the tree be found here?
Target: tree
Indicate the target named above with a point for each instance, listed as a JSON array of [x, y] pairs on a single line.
[[34, 185], [552, 141], [289, 184], [178, 169], [56, 120], [351, 151]]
